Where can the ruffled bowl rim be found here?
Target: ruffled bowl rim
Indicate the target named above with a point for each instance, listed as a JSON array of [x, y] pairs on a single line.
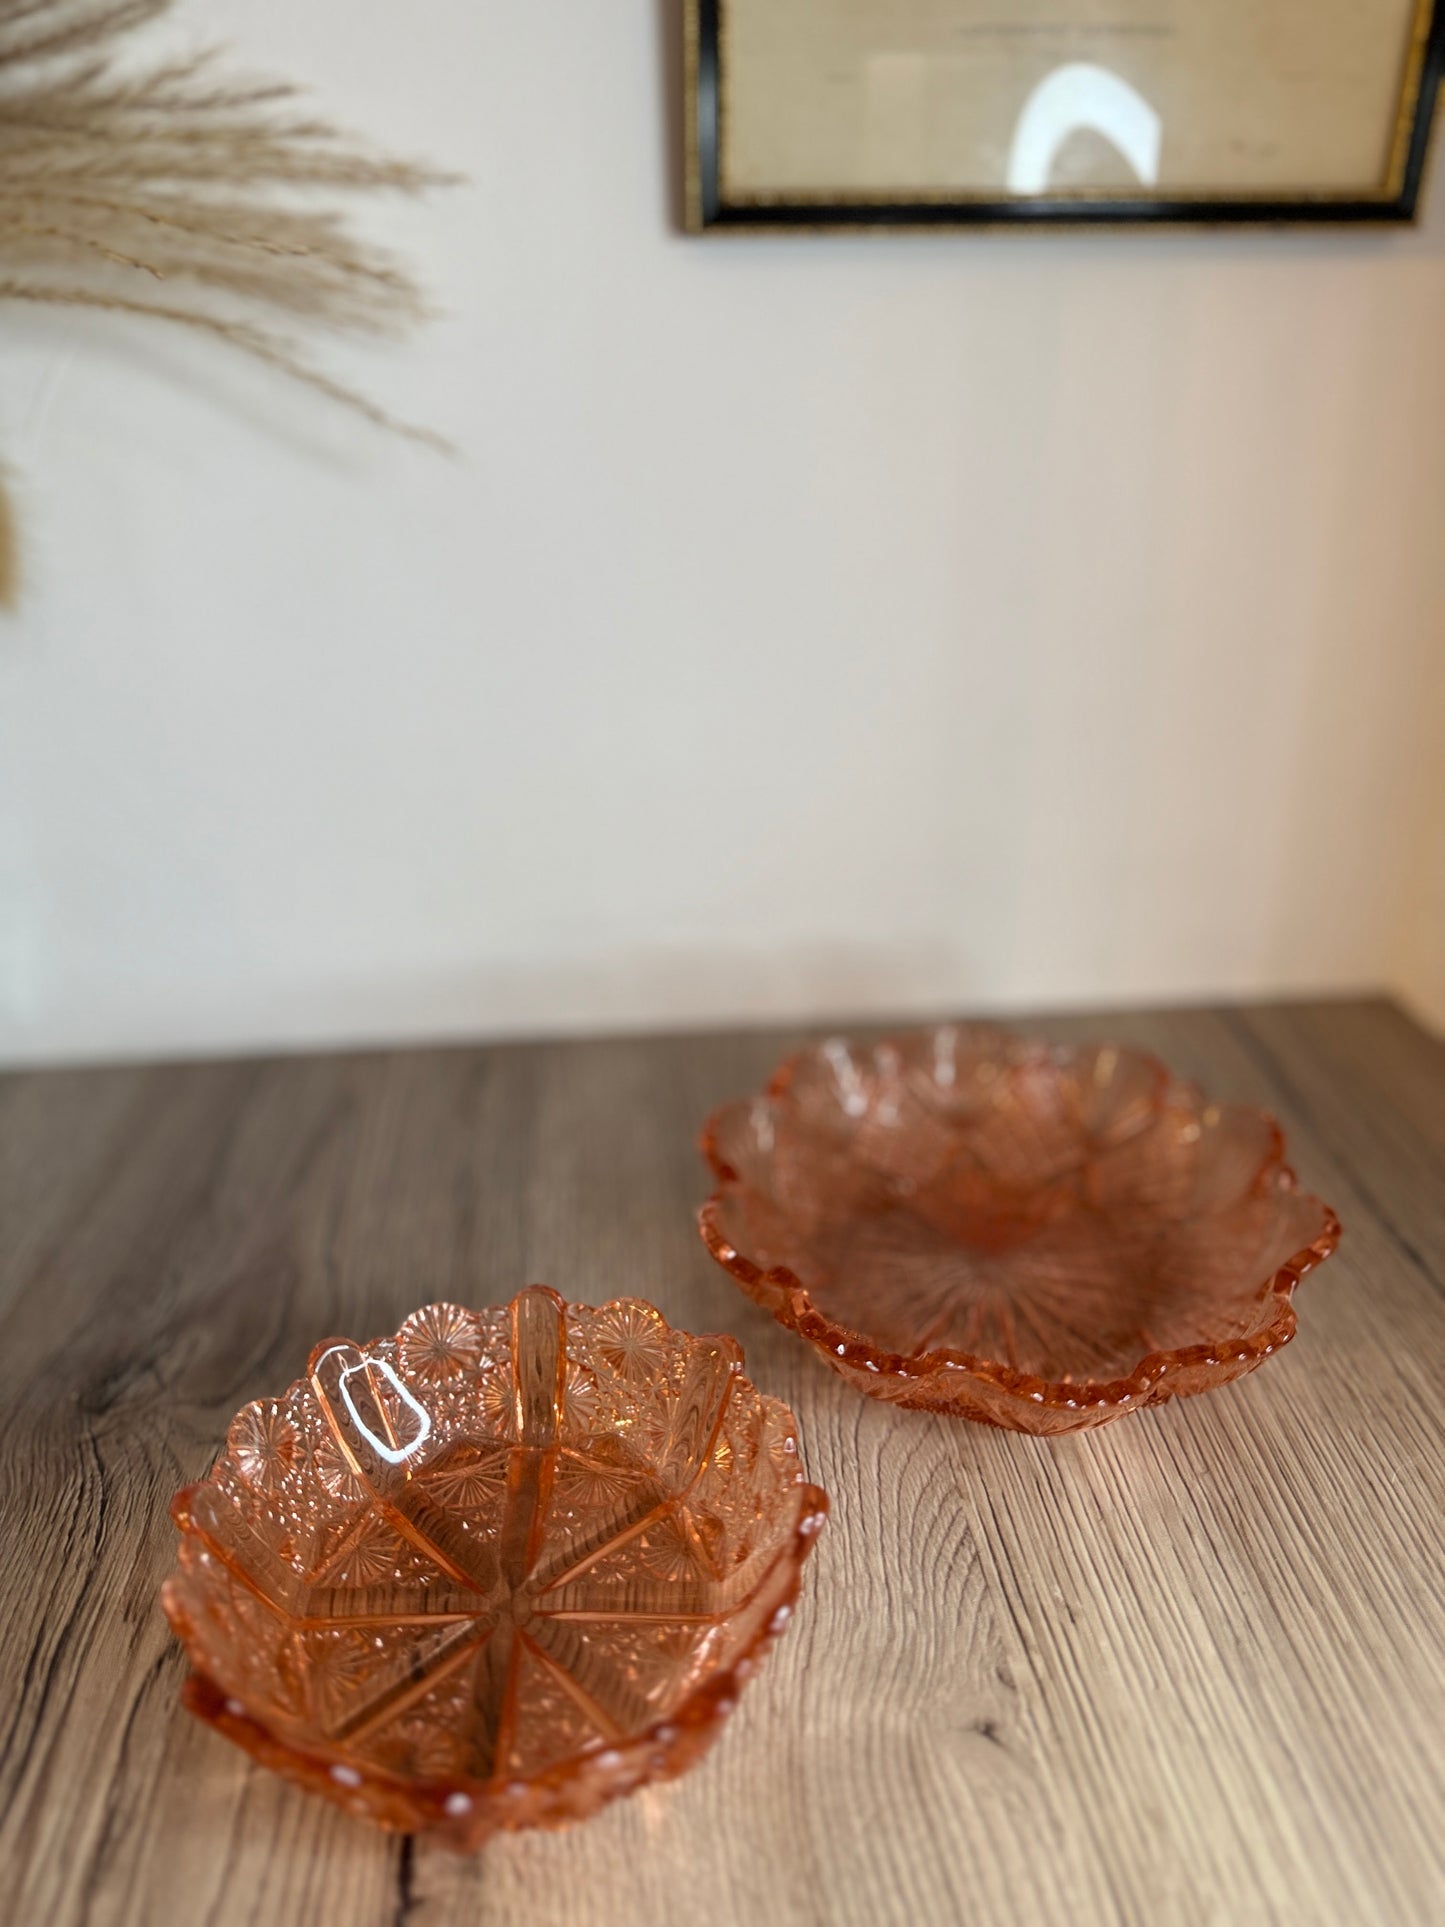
[[778, 1289], [464, 1812]]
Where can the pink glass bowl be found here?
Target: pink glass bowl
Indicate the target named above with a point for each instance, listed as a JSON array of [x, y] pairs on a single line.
[[494, 1570], [1038, 1237]]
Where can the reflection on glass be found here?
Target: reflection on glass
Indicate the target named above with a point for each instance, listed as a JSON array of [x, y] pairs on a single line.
[[365, 1434], [1075, 98]]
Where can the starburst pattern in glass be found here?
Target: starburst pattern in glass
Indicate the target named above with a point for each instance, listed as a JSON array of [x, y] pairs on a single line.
[[494, 1570]]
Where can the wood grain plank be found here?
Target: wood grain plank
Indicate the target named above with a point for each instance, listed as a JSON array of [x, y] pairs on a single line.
[[1185, 1668]]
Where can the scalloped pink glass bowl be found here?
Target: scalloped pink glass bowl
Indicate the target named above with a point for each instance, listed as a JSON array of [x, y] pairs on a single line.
[[494, 1570], [1037, 1237]]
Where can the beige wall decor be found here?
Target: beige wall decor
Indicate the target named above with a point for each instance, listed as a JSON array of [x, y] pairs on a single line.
[[179, 191], [835, 111]]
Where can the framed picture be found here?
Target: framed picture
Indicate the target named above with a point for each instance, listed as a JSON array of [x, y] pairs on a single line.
[[908, 113]]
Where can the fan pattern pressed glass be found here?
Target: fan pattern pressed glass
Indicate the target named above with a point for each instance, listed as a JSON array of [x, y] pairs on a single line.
[[1037, 1237], [496, 1569]]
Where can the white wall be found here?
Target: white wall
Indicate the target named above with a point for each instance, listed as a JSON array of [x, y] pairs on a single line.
[[808, 625]]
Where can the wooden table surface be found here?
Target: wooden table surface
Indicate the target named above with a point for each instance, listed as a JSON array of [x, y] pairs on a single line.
[[1186, 1668]]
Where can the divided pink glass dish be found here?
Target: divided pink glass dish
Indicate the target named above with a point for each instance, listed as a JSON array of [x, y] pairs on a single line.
[[1029, 1235], [496, 1569]]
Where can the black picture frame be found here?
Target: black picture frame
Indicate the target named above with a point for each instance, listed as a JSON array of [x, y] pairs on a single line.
[[707, 209]]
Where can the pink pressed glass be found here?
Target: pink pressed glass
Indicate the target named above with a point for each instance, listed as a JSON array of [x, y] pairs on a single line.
[[496, 1569], [1038, 1237]]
